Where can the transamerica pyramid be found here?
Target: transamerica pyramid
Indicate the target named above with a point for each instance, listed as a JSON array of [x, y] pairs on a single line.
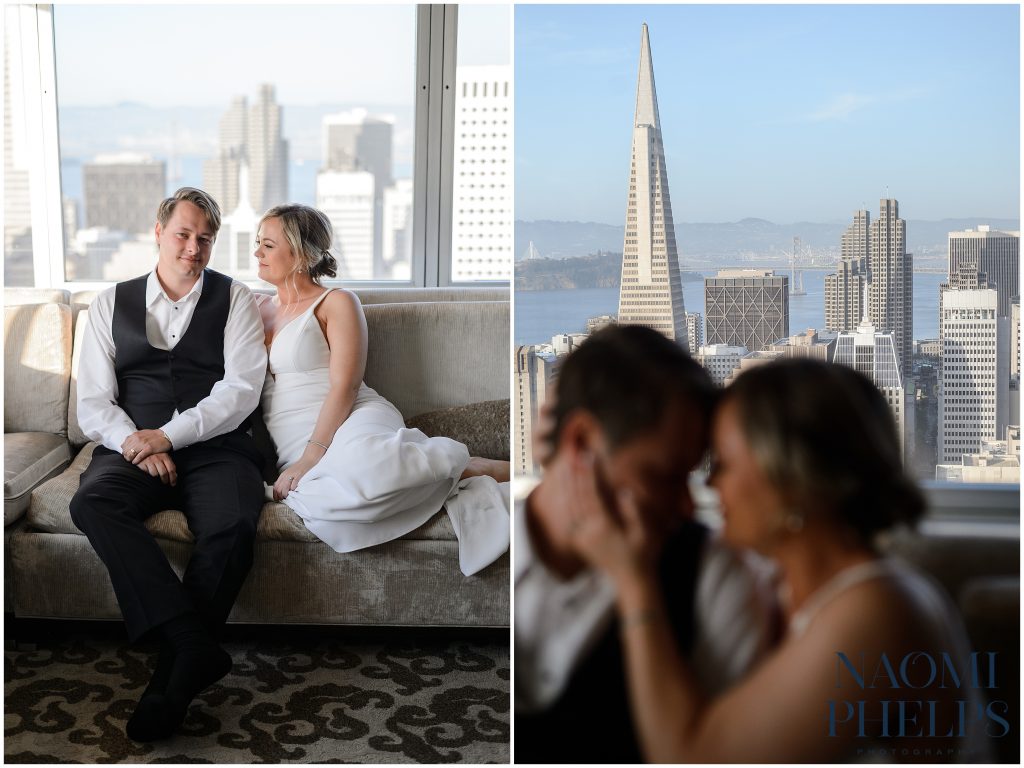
[[651, 292]]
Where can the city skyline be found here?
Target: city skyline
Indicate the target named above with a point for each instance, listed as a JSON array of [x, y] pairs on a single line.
[[785, 113]]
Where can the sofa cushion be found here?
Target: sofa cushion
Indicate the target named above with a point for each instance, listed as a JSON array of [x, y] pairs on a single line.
[[29, 459], [49, 512], [423, 357], [14, 296], [37, 367], [481, 427]]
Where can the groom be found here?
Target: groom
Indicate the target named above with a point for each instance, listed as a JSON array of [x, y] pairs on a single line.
[[172, 366]]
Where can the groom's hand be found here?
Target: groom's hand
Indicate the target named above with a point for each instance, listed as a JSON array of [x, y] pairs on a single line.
[[140, 445], [160, 465]]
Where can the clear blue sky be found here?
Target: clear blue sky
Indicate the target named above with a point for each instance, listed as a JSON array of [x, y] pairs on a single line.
[[787, 113]]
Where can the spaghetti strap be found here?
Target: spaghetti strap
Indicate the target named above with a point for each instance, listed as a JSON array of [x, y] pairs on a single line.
[[842, 581]]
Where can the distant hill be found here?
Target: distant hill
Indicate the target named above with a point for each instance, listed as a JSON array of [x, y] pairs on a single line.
[[598, 270], [708, 245]]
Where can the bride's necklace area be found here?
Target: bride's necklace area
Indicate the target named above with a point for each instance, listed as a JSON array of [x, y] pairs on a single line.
[[287, 310]]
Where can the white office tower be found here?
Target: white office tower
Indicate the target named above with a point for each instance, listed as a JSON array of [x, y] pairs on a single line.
[[349, 201], [873, 353], [251, 137], [890, 278], [122, 191], [974, 381], [694, 330], [482, 202], [396, 229], [537, 367], [651, 291], [746, 307], [844, 289], [720, 360], [993, 253]]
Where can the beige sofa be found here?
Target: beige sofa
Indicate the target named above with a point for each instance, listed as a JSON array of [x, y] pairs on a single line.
[[440, 355]]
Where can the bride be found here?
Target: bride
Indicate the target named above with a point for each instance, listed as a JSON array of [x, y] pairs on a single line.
[[348, 466]]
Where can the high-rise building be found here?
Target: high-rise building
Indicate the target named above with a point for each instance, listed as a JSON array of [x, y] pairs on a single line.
[[250, 141], [651, 290], [357, 143], [396, 228], [482, 203], [694, 330], [268, 153], [17, 210], [122, 191], [746, 307], [975, 376], [996, 254], [349, 201], [355, 140], [890, 281], [993, 253], [1015, 337], [844, 289], [873, 353], [221, 173], [536, 368]]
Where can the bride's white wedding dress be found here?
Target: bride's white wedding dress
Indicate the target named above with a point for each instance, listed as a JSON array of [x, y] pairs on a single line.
[[378, 480]]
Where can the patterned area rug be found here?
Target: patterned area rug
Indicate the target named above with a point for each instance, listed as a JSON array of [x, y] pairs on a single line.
[[301, 700]]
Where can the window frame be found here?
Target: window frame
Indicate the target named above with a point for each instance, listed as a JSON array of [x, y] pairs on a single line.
[[434, 125]]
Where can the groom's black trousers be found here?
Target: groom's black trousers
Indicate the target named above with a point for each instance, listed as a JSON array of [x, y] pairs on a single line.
[[220, 492]]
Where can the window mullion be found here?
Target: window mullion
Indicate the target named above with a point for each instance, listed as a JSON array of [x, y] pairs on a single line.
[[443, 275], [36, 52], [428, 197]]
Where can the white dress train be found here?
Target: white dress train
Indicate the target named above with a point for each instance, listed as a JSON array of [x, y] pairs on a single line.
[[378, 480]]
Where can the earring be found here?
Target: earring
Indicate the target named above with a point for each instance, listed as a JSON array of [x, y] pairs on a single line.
[[793, 521]]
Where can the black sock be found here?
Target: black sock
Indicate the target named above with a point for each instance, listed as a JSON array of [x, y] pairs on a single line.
[[196, 662]]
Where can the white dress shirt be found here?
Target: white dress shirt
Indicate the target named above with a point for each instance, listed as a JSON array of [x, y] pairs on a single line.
[[557, 622], [232, 398]]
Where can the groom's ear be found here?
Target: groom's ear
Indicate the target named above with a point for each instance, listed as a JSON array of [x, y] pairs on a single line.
[[581, 438]]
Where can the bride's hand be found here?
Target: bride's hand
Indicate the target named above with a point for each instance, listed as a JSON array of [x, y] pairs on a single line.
[[289, 479]]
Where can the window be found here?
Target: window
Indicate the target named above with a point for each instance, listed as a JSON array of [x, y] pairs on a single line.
[[482, 179], [356, 126]]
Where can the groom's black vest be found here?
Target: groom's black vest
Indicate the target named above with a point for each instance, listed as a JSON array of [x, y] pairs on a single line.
[[154, 383], [590, 722]]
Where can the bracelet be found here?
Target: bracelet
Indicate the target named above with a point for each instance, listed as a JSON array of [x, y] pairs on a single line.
[[640, 617], [314, 442]]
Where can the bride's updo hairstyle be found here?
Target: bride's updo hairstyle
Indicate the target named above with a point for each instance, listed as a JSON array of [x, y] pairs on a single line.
[[309, 234], [824, 436]]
